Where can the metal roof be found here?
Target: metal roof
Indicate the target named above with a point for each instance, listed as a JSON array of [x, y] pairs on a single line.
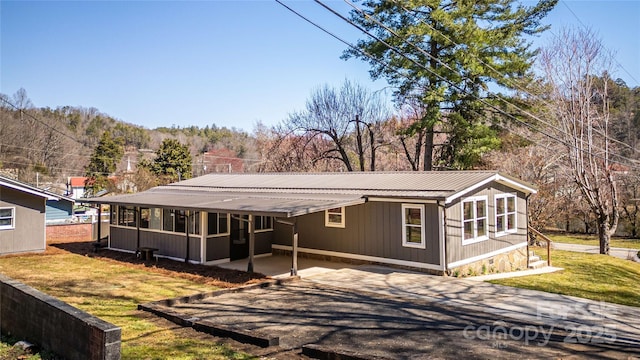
[[293, 194], [18, 185]]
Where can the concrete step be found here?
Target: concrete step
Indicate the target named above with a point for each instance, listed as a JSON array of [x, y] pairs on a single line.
[[537, 264], [533, 258]]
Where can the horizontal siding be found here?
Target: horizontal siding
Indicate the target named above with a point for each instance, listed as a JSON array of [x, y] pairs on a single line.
[[456, 251], [371, 229], [59, 210]]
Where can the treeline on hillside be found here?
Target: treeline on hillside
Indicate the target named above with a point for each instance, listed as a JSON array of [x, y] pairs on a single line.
[[49, 145]]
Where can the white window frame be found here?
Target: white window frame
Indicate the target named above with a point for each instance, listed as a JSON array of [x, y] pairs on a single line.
[[423, 243], [12, 217], [340, 224], [504, 197], [219, 234], [474, 200], [260, 221]]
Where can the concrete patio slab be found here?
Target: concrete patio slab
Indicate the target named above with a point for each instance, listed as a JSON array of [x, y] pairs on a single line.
[[279, 267]]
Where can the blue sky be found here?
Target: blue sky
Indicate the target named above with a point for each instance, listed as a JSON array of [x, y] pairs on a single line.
[[229, 63]]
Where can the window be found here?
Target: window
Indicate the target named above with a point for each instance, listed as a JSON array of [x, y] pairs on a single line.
[[167, 219], [505, 214], [145, 217], [180, 221], [264, 223], [474, 220], [218, 224], [194, 222], [7, 218], [155, 219], [114, 215], [413, 226], [127, 216], [334, 217]]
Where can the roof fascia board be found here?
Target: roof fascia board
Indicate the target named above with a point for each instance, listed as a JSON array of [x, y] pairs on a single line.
[[33, 191], [328, 206], [497, 178], [401, 200]]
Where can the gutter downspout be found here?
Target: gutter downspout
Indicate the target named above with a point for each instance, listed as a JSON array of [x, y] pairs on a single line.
[[137, 216], [99, 223], [186, 231], [444, 236], [526, 209]]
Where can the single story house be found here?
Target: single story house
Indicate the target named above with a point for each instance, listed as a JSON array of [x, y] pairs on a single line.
[[60, 210], [22, 217], [439, 222]]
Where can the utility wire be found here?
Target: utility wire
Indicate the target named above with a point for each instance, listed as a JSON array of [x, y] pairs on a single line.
[[513, 83], [431, 71], [587, 28], [451, 83]]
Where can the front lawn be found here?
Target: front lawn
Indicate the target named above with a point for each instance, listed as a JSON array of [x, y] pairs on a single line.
[[111, 291], [593, 240], [590, 276]]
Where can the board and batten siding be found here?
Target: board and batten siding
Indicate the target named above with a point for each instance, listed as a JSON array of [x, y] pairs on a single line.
[[29, 232], [371, 229], [169, 244], [457, 252]]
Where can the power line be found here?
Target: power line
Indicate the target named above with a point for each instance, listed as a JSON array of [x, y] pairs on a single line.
[[431, 71], [40, 121], [515, 84], [587, 28], [456, 86]]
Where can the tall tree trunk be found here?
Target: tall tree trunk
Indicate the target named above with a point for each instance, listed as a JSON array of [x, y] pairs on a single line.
[[604, 235], [372, 162], [359, 144], [428, 150]]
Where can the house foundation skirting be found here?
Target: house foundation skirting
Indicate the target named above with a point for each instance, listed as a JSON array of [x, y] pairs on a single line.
[[505, 262], [358, 259]]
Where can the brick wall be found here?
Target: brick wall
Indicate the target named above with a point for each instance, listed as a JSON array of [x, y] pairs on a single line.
[[62, 233], [27, 314]]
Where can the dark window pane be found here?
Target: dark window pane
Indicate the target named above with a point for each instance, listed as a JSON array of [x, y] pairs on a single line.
[[468, 210], [145, 217], [482, 227], [468, 230], [180, 219], [500, 206], [511, 204], [222, 224], [511, 222], [168, 221], [481, 208]]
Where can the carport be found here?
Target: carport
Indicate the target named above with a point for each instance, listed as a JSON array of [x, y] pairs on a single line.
[[284, 207]]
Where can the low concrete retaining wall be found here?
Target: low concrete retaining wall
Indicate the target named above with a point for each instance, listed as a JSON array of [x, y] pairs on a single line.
[[28, 314]]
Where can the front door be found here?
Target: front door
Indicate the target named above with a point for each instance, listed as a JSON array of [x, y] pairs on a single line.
[[239, 237]]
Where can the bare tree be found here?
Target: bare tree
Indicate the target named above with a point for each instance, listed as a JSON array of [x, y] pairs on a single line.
[[580, 111], [348, 118]]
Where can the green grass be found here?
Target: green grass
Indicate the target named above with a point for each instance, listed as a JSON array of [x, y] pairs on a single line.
[[590, 276], [593, 240], [112, 291]]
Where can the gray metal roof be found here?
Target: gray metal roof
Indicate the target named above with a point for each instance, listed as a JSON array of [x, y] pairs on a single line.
[[293, 194]]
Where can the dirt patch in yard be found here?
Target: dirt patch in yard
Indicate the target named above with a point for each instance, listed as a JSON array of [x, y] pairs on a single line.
[[202, 274]]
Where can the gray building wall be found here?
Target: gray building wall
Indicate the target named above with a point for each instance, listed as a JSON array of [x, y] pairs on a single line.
[[217, 248], [457, 252], [172, 245], [371, 229], [29, 232]]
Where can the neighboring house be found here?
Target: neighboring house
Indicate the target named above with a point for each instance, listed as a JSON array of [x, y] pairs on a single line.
[[59, 210], [439, 222], [22, 217], [75, 186]]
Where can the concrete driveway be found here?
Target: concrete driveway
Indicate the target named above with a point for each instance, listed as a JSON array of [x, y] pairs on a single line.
[[381, 312]]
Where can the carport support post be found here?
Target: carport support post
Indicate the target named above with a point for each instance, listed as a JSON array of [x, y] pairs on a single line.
[[294, 250], [252, 242], [186, 233], [99, 222]]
